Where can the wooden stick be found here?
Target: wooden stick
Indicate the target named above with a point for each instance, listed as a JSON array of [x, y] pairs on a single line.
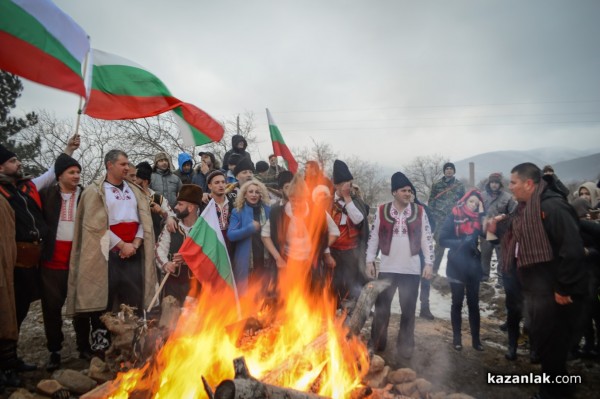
[[162, 284]]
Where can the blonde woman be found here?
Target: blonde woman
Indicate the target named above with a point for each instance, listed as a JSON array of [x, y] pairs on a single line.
[[251, 212]]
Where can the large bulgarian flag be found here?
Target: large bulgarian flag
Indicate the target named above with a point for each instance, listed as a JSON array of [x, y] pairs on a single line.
[[41, 43], [122, 89], [205, 252], [279, 146]]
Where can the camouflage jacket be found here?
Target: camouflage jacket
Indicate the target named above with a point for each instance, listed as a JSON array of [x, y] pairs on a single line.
[[445, 193]]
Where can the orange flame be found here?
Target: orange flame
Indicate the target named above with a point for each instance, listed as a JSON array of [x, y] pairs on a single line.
[[304, 346]]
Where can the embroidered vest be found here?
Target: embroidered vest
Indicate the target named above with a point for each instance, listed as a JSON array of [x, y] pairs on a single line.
[[185, 273], [349, 233], [413, 223]]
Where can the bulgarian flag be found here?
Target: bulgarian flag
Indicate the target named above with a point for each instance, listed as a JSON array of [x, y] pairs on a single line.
[[205, 252], [122, 89], [41, 43], [279, 146]]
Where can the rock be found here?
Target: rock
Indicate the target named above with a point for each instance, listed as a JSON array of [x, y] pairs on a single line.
[[402, 375], [74, 381], [423, 386], [459, 396], [377, 380], [21, 393], [49, 387], [406, 388], [100, 392], [377, 364], [99, 371]]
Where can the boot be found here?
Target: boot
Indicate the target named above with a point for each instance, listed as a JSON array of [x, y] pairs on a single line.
[[511, 353], [54, 362], [426, 313]]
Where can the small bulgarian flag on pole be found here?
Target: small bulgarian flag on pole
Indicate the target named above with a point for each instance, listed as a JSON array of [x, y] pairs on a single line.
[[205, 253], [279, 146], [122, 89], [41, 43]]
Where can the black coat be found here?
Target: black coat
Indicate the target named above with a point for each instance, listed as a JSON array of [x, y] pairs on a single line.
[[464, 258]]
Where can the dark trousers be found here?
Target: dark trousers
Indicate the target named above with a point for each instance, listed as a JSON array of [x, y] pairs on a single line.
[[125, 281], [347, 278], [514, 306], [53, 290], [487, 249], [408, 289], [439, 254], [26, 290], [552, 328], [471, 287]]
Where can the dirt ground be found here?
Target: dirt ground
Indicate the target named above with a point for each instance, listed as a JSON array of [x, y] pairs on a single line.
[[434, 357]]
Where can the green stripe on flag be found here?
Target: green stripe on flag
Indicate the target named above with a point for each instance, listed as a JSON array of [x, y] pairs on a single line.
[[198, 137], [19, 23], [125, 80]]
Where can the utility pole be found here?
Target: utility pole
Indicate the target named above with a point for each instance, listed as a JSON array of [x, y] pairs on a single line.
[[238, 124]]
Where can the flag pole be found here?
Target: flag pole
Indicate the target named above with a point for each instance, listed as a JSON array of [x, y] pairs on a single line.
[[79, 108]]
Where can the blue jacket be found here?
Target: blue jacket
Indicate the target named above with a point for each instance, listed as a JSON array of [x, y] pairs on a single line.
[[186, 178], [240, 231]]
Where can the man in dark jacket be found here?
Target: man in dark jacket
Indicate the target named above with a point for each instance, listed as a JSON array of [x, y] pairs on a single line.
[[238, 146], [59, 206], [185, 172], [163, 180], [544, 243]]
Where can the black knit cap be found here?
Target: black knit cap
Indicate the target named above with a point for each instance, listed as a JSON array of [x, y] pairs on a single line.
[[234, 159], [284, 177], [214, 174], [341, 173], [399, 180], [244, 164], [449, 165], [64, 162], [261, 166], [5, 154], [144, 171], [190, 193]]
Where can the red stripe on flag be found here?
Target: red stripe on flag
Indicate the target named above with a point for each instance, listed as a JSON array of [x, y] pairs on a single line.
[[282, 150], [202, 121], [24, 59], [111, 107], [201, 265]]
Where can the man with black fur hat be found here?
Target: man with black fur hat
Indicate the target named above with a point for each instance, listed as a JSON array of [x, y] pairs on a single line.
[[238, 146], [350, 215], [401, 231], [187, 210], [59, 206], [22, 194]]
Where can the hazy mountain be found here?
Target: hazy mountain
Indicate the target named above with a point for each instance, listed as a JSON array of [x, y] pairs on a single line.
[[569, 164]]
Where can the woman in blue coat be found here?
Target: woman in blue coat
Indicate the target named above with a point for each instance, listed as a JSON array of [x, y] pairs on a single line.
[[251, 212], [460, 232]]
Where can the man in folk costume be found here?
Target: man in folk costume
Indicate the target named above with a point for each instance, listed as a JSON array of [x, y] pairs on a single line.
[[444, 195], [9, 332], [401, 231], [59, 206], [112, 261], [22, 193], [187, 210], [224, 203], [350, 215], [542, 242]]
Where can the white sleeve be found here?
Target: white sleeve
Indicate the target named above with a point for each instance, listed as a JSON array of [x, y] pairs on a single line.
[[427, 240], [332, 228], [162, 248], [265, 231], [354, 213], [114, 239], [140, 232], [373, 244], [45, 180]]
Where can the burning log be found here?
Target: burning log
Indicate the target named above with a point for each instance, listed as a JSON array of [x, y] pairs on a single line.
[[364, 304], [244, 386]]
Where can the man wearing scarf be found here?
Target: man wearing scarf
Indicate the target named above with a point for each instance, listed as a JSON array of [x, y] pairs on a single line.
[[544, 245], [349, 213]]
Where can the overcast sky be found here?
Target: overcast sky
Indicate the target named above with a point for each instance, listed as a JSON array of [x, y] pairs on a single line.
[[386, 80]]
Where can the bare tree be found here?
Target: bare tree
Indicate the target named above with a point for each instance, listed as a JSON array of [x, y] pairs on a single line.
[[423, 172], [320, 151], [373, 184]]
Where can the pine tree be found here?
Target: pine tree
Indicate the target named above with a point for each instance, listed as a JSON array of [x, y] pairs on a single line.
[[27, 149]]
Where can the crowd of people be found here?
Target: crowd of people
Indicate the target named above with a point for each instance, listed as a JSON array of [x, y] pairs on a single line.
[[94, 248]]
